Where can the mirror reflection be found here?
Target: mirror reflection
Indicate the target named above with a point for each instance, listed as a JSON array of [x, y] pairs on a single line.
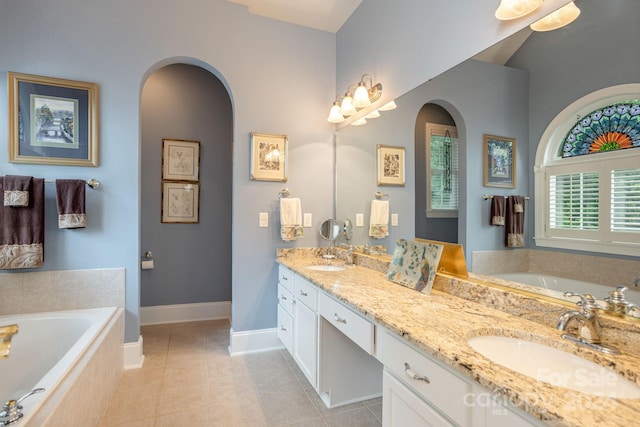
[[513, 90]]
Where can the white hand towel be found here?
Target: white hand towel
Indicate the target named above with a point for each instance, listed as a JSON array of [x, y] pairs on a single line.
[[379, 219], [290, 219]]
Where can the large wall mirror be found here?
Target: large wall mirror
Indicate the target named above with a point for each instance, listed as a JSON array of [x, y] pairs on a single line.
[[514, 90]]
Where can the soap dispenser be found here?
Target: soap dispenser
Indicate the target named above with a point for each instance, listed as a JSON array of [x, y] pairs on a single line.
[[616, 303]]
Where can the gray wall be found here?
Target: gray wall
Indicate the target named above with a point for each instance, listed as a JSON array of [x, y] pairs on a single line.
[[192, 261]]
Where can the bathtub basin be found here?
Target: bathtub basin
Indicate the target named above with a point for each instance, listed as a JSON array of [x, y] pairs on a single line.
[[326, 267], [554, 366]]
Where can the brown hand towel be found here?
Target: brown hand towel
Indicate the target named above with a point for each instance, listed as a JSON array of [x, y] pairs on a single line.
[[22, 231], [71, 204], [16, 190], [497, 210], [514, 222]]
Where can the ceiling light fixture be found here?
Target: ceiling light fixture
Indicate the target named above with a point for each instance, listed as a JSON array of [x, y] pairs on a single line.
[[558, 19]]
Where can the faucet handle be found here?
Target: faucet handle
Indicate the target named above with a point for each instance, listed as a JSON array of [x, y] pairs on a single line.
[[587, 301]]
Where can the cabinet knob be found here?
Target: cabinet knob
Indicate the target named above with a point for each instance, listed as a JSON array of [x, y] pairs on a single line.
[[339, 319], [411, 374]]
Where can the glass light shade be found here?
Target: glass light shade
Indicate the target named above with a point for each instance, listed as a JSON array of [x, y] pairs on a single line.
[[334, 114], [361, 96], [561, 17], [391, 105], [372, 115], [361, 121], [513, 9], [347, 108]]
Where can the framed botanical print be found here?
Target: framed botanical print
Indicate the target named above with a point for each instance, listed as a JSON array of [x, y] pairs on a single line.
[[180, 160], [268, 157], [499, 161], [52, 121], [390, 161], [180, 202]]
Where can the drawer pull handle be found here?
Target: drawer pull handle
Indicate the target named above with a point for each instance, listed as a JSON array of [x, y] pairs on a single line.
[[411, 374], [284, 278], [283, 297], [282, 328], [304, 294], [339, 319]]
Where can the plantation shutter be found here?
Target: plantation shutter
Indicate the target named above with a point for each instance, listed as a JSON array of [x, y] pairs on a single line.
[[625, 200], [574, 201]]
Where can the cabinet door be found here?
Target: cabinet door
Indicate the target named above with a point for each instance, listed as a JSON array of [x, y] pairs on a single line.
[[305, 341], [285, 328], [401, 407]]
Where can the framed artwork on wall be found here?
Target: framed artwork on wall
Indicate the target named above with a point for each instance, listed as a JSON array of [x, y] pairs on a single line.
[[268, 157], [390, 161], [52, 121], [499, 161], [180, 202], [180, 160]]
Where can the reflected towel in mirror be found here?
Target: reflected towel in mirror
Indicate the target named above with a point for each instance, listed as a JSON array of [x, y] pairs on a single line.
[[379, 219], [290, 219]]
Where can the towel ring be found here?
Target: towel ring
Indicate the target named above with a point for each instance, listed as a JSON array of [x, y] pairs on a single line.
[[284, 193], [378, 195]]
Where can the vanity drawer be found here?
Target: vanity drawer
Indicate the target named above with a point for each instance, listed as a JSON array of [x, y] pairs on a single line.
[[285, 328], [285, 299], [355, 327], [286, 278], [306, 293], [445, 390]]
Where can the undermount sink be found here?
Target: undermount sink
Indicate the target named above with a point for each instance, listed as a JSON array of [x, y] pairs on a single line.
[[326, 267], [553, 366]]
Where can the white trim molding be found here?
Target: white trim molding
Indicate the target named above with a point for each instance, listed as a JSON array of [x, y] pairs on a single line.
[[254, 341], [133, 354], [158, 314]]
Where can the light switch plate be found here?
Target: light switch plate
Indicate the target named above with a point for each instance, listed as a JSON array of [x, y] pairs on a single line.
[[308, 220], [264, 219], [359, 220], [394, 220]]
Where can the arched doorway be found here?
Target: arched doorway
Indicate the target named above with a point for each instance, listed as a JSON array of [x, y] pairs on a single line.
[[192, 261]]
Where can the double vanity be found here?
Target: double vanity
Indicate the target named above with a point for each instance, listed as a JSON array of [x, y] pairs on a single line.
[[467, 354]]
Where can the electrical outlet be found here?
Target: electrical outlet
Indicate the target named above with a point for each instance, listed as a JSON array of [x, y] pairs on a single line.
[[394, 220], [359, 220], [263, 219], [308, 220]]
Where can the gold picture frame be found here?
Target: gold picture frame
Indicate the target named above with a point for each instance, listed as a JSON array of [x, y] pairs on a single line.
[[499, 161], [180, 160], [52, 121], [180, 202], [268, 157], [390, 165]]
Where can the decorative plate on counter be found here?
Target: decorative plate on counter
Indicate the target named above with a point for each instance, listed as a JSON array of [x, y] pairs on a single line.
[[414, 264]]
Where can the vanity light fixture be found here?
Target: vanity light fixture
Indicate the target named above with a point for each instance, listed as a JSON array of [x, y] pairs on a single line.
[[334, 114], [513, 9], [391, 105], [558, 19], [364, 96], [361, 121], [346, 107], [372, 115]]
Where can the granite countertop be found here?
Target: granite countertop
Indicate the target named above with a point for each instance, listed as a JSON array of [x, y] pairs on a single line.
[[440, 324]]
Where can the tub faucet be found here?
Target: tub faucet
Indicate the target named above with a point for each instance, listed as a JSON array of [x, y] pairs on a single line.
[[12, 410], [588, 323], [6, 333], [636, 281]]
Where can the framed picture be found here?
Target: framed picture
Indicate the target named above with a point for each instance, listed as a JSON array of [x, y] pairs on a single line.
[[180, 202], [499, 161], [268, 157], [180, 160], [390, 162], [52, 121]]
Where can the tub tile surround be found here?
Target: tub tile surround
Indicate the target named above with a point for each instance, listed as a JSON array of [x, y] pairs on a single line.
[[439, 324], [588, 268], [34, 292]]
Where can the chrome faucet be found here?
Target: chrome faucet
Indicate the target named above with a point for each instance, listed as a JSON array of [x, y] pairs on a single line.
[[588, 323], [636, 281], [12, 410], [350, 250]]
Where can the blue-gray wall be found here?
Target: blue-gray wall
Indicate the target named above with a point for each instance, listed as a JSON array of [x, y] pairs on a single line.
[[192, 261]]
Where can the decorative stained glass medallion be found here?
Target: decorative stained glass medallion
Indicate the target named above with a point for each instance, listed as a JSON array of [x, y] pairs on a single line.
[[614, 127]]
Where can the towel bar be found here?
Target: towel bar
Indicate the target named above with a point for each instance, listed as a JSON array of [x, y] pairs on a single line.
[[488, 197], [93, 183]]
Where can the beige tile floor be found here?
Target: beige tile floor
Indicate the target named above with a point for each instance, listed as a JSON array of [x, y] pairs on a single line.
[[189, 379]]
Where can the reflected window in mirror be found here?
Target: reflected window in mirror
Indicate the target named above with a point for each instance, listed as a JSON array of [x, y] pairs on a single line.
[[442, 170], [588, 177]]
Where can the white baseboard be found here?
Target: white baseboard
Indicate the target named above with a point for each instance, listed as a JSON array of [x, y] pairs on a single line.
[[133, 356], [159, 314], [254, 341]]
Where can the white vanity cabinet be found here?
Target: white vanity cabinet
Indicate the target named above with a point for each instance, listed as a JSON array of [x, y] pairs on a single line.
[[305, 328], [285, 308], [420, 391]]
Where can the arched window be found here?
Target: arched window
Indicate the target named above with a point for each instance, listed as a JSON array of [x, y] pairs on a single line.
[[587, 175]]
